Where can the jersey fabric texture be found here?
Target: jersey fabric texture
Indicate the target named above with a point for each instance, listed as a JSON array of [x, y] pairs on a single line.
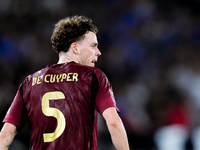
[[62, 102]]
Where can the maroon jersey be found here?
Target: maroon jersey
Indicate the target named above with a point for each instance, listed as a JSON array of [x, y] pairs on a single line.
[[61, 102]]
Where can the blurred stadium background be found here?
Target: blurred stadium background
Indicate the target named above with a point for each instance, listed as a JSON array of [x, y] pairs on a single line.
[[150, 53]]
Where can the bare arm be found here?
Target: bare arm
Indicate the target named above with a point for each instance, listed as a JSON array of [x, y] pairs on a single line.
[[116, 129], [7, 135]]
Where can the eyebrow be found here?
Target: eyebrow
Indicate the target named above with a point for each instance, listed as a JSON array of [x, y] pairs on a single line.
[[96, 44]]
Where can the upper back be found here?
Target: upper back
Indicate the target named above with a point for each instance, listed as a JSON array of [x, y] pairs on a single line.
[[59, 102]]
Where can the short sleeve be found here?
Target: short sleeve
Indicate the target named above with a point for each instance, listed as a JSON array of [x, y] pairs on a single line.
[[17, 113], [104, 92]]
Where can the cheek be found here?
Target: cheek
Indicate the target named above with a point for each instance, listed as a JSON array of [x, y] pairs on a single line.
[[86, 56], [87, 53]]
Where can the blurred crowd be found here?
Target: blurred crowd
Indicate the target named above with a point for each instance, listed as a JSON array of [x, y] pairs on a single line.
[[150, 53]]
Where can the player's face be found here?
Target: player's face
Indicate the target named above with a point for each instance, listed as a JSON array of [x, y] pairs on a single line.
[[88, 50]]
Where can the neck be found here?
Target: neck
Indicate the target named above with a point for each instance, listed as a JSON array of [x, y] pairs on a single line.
[[65, 57], [65, 60]]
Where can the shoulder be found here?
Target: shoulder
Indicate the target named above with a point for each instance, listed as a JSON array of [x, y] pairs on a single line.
[[95, 70], [29, 78], [92, 73]]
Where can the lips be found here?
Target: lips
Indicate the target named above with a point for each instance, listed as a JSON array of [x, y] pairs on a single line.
[[94, 61]]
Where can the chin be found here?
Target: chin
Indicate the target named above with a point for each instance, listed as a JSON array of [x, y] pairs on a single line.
[[92, 65]]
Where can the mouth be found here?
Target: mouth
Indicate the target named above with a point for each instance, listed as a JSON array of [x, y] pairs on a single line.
[[94, 61]]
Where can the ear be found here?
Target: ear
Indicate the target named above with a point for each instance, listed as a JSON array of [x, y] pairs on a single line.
[[74, 47]]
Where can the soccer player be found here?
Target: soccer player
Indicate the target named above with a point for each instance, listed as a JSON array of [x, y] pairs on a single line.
[[62, 101]]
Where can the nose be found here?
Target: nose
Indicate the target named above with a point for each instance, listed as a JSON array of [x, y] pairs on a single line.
[[98, 52]]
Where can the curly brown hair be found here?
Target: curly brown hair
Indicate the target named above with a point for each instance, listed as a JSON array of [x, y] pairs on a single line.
[[69, 30]]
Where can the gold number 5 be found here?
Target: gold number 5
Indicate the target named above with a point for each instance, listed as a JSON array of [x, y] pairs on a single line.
[[53, 112]]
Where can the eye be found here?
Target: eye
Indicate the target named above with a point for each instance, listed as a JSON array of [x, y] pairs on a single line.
[[94, 45]]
